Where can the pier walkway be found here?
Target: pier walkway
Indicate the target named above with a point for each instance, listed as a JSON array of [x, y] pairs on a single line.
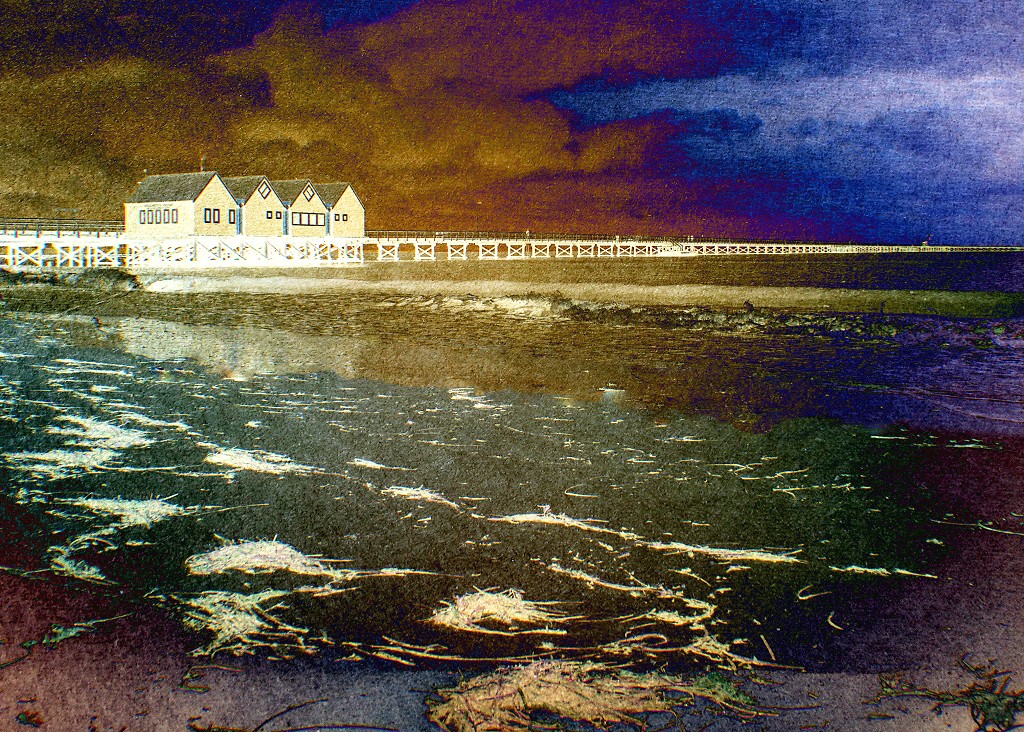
[[34, 249]]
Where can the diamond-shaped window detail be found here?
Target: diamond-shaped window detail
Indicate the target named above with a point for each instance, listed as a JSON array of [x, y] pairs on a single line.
[[309, 193], [264, 189]]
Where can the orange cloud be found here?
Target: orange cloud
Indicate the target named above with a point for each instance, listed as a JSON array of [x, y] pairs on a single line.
[[425, 113]]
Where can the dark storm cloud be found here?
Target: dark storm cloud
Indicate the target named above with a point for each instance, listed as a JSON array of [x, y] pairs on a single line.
[[45, 33], [901, 114]]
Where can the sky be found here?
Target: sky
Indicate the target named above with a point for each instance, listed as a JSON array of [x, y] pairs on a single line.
[[870, 121]]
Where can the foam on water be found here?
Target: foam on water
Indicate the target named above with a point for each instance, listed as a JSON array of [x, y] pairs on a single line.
[[130, 513], [56, 465], [257, 461], [90, 432]]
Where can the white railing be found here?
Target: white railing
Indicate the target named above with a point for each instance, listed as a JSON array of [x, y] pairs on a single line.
[[191, 252], [72, 252]]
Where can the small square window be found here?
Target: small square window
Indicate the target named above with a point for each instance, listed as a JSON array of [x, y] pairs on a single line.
[[344, 217], [270, 214], [278, 216], [337, 217]]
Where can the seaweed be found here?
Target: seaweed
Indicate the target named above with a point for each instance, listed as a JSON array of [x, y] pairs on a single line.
[[592, 693], [993, 708]]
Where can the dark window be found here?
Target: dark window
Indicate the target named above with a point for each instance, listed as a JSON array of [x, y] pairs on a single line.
[[142, 217], [337, 217], [344, 217], [174, 215], [278, 216], [207, 215], [216, 215], [231, 217], [270, 214]]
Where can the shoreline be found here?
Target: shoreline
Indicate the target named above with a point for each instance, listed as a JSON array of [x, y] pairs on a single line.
[[805, 299], [784, 286]]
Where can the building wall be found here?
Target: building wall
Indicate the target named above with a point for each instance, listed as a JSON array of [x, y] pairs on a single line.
[[348, 218], [159, 220], [217, 200], [254, 215], [312, 207]]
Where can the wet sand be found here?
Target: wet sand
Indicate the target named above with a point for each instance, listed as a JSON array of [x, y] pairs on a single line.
[[803, 299]]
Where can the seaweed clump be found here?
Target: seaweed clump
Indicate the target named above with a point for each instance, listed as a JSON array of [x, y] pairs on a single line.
[[993, 708], [593, 693]]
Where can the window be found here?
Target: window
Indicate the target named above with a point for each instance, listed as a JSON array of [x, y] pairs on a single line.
[[277, 215], [216, 215], [264, 190], [142, 217], [270, 214], [308, 219], [302, 219], [309, 193], [174, 215], [344, 217], [149, 217], [167, 215], [337, 217], [231, 217], [207, 215]]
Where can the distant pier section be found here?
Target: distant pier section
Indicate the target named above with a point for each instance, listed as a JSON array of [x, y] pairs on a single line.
[[55, 243]]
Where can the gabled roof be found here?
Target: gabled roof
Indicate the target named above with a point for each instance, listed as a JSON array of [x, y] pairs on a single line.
[[289, 190], [173, 187], [242, 187], [331, 193]]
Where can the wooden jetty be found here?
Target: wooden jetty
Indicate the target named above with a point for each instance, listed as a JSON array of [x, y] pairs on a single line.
[[78, 247], [394, 246]]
